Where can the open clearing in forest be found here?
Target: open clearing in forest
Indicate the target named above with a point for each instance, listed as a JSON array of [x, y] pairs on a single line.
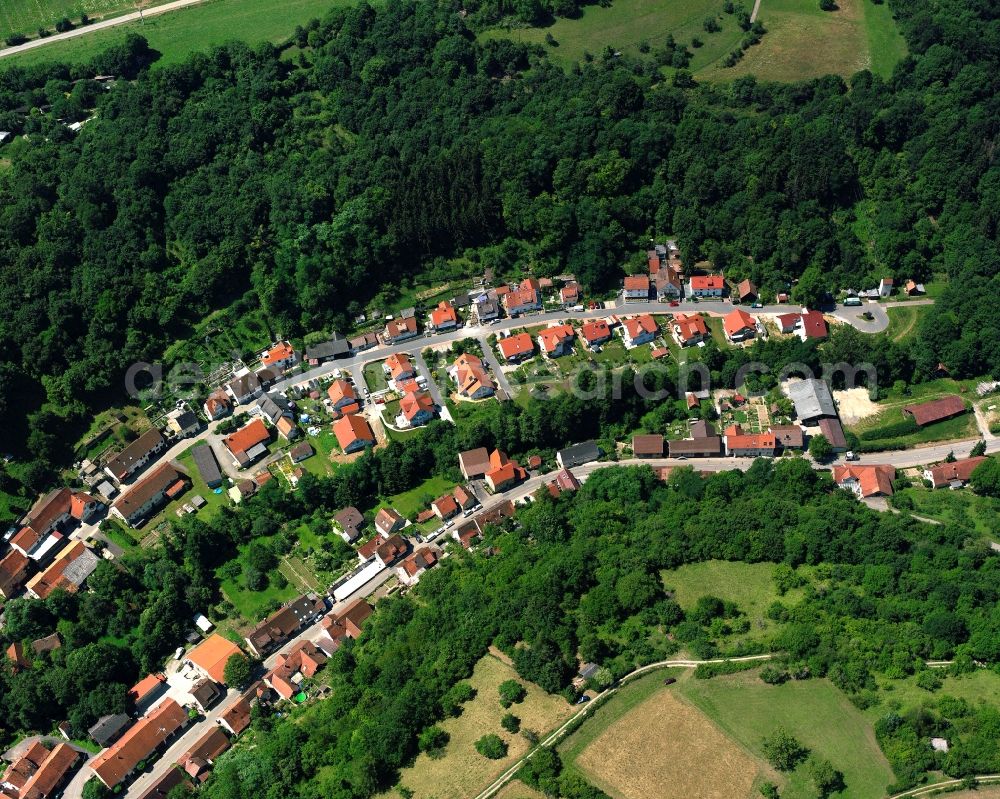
[[749, 585], [801, 42], [805, 42], [463, 772], [177, 34], [625, 24], [667, 748]]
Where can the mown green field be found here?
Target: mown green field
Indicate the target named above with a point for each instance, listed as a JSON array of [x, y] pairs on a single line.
[[27, 16], [176, 34], [814, 711]]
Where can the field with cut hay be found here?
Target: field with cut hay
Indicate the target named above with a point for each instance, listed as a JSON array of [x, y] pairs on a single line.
[[666, 748]]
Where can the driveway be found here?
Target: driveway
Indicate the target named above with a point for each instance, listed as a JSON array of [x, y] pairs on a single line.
[[432, 387], [491, 358], [981, 422]]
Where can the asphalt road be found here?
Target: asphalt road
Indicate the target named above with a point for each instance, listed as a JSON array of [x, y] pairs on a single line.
[[851, 316], [96, 26]]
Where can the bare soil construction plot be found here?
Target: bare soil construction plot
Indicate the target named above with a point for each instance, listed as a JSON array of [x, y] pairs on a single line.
[[667, 749], [855, 404]]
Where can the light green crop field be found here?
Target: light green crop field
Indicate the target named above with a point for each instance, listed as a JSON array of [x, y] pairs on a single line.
[[814, 711], [27, 16], [176, 34]]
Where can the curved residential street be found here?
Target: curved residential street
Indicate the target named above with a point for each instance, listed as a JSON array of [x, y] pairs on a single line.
[[851, 316]]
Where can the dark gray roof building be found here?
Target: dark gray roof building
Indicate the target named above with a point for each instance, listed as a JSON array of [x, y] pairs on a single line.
[[812, 400], [208, 466], [107, 729], [578, 454], [273, 407], [695, 447], [336, 347]]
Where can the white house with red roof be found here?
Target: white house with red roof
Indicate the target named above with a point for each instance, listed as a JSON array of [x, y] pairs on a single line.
[[516, 348], [639, 330], [706, 286], [280, 357], [635, 288], [689, 329], [813, 326], [524, 298], [595, 333], [556, 341], [415, 408], [739, 325], [444, 317]]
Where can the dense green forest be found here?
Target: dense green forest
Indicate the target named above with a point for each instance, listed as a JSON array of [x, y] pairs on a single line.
[[301, 181]]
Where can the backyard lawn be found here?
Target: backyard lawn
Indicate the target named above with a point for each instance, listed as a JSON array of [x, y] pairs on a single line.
[[375, 377], [411, 502]]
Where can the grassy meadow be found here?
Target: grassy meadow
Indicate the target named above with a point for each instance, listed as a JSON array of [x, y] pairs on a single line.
[[462, 771], [802, 41], [961, 508], [626, 24], [814, 711], [749, 585], [177, 34]]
